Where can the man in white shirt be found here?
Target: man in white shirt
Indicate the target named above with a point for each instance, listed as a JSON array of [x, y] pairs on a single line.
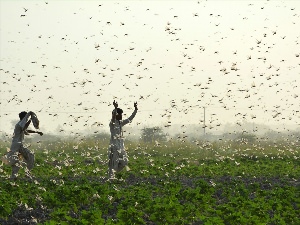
[[17, 150], [117, 155]]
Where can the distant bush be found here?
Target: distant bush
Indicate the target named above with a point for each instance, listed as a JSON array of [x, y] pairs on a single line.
[[152, 134], [246, 138]]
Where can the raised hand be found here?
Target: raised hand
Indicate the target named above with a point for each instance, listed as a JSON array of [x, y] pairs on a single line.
[[115, 104], [135, 106]]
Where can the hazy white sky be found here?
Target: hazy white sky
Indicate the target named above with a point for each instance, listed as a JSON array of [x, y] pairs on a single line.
[[68, 59]]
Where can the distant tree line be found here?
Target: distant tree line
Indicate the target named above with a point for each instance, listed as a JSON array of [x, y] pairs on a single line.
[[152, 134]]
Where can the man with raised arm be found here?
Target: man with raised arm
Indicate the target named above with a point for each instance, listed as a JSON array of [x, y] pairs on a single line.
[[118, 158], [17, 150]]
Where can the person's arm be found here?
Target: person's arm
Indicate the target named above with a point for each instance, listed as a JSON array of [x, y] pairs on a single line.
[[24, 122], [34, 132], [113, 118], [130, 118], [26, 125]]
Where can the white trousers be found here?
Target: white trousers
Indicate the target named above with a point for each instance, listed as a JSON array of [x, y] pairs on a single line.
[[118, 159], [16, 157]]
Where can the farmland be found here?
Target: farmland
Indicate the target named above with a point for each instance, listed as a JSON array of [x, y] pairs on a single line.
[[169, 183]]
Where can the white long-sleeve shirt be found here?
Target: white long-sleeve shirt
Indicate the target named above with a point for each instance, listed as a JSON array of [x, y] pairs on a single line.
[[116, 139], [19, 131]]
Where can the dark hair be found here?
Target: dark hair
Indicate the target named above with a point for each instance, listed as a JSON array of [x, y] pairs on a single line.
[[119, 111], [22, 115]]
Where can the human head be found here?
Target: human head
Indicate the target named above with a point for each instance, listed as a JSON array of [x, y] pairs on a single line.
[[22, 115], [119, 114]]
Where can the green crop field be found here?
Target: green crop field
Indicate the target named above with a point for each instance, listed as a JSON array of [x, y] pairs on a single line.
[[169, 183]]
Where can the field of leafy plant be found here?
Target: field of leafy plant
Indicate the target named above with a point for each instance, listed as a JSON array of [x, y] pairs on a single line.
[[172, 183]]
